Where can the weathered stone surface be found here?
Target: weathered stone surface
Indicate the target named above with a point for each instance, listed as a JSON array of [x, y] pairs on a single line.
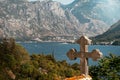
[[84, 54]]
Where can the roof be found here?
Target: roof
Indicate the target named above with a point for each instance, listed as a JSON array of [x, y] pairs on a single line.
[[81, 77]]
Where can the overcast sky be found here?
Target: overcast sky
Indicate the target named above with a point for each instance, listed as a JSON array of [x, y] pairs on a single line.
[[62, 1]]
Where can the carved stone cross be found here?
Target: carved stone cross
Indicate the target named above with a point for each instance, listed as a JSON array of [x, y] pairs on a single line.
[[84, 54]]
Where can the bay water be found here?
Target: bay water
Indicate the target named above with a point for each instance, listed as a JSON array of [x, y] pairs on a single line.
[[60, 49]]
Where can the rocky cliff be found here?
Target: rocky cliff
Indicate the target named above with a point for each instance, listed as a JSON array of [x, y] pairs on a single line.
[[25, 20], [95, 15]]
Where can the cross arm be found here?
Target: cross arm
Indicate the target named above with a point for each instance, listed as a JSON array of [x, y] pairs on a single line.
[[73, 54], [95, 54]]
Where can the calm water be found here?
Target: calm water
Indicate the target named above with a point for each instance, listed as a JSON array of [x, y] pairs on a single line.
[[59, 50]]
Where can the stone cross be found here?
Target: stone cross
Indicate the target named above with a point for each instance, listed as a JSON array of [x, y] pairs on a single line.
[[84, 54]]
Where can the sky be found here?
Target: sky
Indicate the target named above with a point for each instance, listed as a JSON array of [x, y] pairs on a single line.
[[61, 1]]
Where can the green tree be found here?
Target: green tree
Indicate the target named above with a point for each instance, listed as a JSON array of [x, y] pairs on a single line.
[[108, 68], [12, 56]]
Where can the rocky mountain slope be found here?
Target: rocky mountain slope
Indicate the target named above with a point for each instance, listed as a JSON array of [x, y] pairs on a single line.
[[112, 34], [95, 15], [25, 20]]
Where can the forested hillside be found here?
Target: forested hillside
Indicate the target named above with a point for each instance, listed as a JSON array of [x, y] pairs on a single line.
[[17, 64], [113, 34]]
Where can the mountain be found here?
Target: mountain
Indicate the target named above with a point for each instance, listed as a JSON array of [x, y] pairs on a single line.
[[95, 15], [112, 34], [48, 20], [25, 20]]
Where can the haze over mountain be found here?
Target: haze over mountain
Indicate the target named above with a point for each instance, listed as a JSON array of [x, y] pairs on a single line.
[[95, 15], [112, 34], [25, 20]]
